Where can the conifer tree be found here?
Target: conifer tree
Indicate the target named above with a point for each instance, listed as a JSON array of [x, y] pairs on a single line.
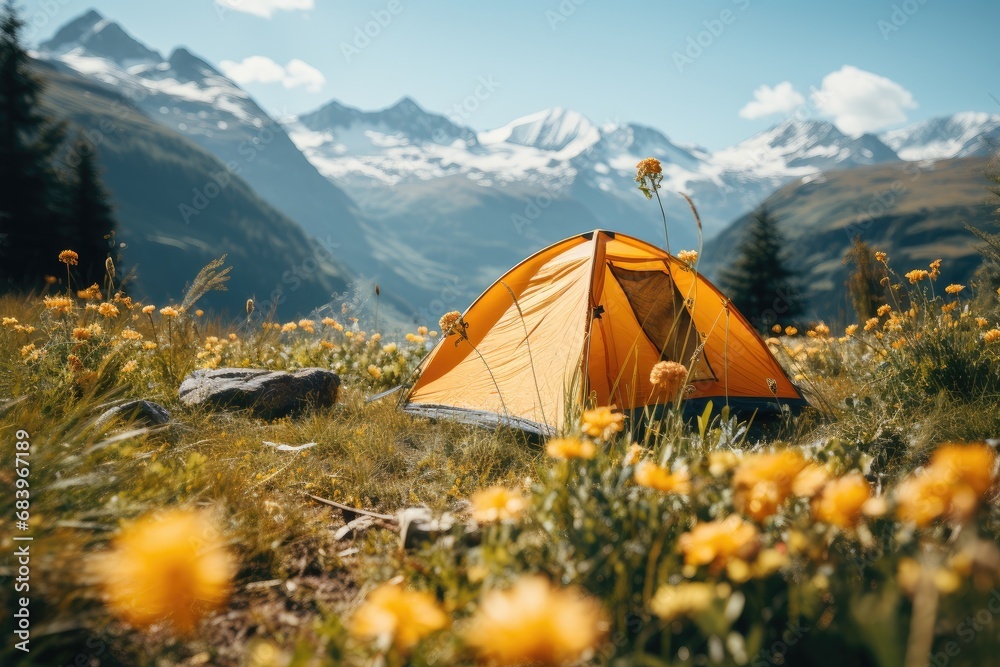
[[759, 282], [865, 282], [90, 215], [29, 228]]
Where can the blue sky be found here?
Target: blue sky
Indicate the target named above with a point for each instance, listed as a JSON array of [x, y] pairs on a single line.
[[690, 69]]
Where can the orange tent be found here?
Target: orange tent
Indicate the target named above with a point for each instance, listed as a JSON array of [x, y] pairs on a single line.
[[586, 319]]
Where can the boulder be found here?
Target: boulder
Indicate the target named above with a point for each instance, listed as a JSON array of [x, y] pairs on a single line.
[[268, 394], [141, 412]]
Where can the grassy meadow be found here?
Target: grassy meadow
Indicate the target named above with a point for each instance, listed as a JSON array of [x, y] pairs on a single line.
[[861, 532]]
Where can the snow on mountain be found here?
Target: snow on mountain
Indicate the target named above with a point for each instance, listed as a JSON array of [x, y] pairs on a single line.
[[190, 96], [557, 130], [795, 148], [94, 35], [960, 135]]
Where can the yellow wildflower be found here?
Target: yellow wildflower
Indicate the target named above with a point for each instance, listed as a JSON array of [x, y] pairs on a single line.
[[981, 322], [871, 324], [60, 304], [842, 501], [850, 329], [880, 256], [397, 617], [952, 484], [169, 311], [602, 422], [92, 292], [497, 503], [883, 309], [992, 335], [763, 481], [716, 543], [130, 334], [791, 331], [954, 289], [169, 567], [148, 310], [916, 276], [452, 323], [570, 448], [69, 257], [535, 623], [81, 333], [935, 267], [422, 330], [130, 366], [108, 309], [689, 257], [667, 377], [650, 475], [307, 325], [375, 371]]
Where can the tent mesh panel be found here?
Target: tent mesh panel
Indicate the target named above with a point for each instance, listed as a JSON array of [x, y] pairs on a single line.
[[660, 311]]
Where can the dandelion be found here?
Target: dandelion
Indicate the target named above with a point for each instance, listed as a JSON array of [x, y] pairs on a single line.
[[602, 423], [685, 599], [375, 371], [850, 329], [91, 293], [108, 310], [570, 448], [497, 503], [954, 289], [763, 482], [842, 501], [130, 366], [535, 623], [880, 256], [667, 377], [991, 336], [689, 257], [916, 276], [69, 257], [81, 334], [60, 304], [169, 311], [397, 617], [168, 567], [716, 543], [307, 325], [652, 476], [791, 331]]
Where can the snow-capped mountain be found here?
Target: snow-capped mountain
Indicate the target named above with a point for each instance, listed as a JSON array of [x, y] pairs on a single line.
[[968, 134], [495, 195], [190, 96]]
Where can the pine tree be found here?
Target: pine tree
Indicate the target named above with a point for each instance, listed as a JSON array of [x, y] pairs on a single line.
[[759, 282], [865, 283], [90, 214], [29, 228]]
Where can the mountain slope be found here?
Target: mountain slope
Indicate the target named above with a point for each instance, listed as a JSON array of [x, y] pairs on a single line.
[[914, 213], [966, 134], [151, 172], [189, 96]]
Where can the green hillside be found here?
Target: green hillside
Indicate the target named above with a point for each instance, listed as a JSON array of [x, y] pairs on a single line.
[[169, 230], [913, 211]]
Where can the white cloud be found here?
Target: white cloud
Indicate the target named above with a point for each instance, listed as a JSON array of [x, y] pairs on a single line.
[[860, 101], [767, 101], [261, 69], [266, 8]]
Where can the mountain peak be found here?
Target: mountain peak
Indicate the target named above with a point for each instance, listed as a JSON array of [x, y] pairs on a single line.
[[189, 67], [100, 37], [552, 129]]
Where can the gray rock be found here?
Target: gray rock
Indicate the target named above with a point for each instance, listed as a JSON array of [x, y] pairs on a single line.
[[142, 412], [268, 394]]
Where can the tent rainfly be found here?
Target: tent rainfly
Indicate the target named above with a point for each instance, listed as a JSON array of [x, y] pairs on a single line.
[[587, 319]]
